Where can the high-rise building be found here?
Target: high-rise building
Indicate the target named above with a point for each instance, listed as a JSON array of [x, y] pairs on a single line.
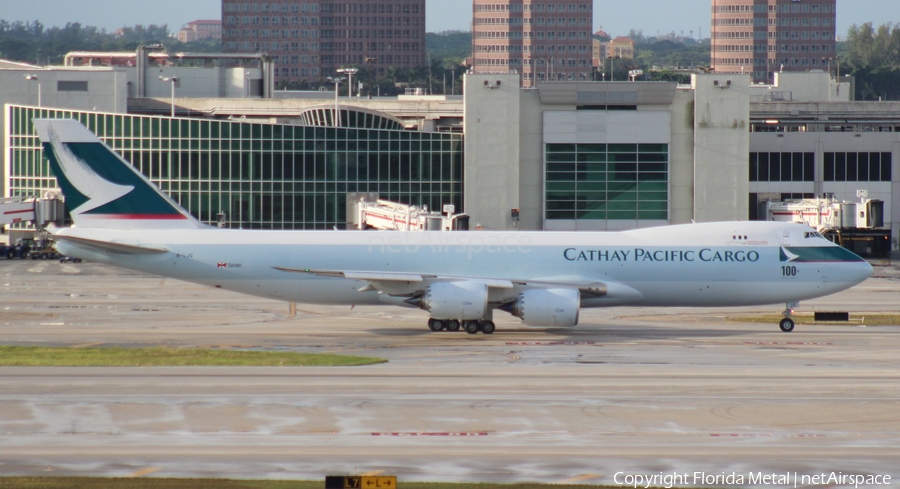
[[200, 29], [309, 41], [541, 41], [763, 37]]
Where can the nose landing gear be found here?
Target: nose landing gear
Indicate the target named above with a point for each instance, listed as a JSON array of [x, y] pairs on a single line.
[[787, 324]]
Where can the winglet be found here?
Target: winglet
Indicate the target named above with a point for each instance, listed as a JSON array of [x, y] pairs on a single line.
[[102, 189]]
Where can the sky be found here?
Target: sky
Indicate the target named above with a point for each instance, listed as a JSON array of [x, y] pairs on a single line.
[[616, 17]]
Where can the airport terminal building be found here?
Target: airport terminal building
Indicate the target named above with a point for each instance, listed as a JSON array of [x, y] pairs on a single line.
[[257, 176], [561, 156]]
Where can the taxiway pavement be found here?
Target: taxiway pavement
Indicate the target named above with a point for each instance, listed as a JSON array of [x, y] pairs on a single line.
[[638, 391]]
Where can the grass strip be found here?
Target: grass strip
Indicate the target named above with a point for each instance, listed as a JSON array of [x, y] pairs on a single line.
[[159, 483], [861, 319], [37, 356]]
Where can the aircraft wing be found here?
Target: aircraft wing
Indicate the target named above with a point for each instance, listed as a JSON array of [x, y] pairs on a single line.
[[110, 247], [396, 283]]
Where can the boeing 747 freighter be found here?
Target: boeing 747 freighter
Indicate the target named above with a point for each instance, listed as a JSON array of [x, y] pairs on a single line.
[[459, 278]]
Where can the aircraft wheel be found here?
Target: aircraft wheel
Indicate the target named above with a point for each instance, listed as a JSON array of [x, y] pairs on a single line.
[[453, 326], [787, 325], [488, 327], [472, 327], [435, 324]]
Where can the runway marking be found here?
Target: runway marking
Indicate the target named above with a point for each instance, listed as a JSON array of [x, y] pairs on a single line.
[[87, 345], [454, 354], [372, 473], [767, 435], [425, 433], [787, 343], [580, 478], [147, 471], [346, 350], [550, 343]]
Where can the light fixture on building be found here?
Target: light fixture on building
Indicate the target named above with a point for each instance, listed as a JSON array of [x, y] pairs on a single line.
[[173, 80], [34, 77], [337, 80], [349, 72]]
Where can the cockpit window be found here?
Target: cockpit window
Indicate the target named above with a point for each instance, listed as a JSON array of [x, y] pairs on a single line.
[[813, 234]]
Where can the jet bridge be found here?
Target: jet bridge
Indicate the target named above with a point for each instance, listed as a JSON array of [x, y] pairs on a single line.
[[390, 216], [857, 226], [15, 210]]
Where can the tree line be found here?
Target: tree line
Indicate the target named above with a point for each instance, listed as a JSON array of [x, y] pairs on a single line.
[[32, 42], [872, 55]]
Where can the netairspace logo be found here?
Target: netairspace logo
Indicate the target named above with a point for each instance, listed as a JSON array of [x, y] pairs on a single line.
[[785, 479]]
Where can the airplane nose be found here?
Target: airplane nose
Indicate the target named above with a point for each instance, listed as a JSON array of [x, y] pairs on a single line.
[[865, 270]]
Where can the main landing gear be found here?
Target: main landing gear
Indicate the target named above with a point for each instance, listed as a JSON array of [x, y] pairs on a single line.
[[787, 324], [471, 327]]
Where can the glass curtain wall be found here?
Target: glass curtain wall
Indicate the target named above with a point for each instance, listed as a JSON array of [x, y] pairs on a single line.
[[607, 181], [261, 176]]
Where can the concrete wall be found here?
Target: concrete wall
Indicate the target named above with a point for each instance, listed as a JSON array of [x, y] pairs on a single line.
[[199, 82], [107, 91], [681, 159], [531, 161], [803, 87], [721, 147], [813, 87], [492, 128]]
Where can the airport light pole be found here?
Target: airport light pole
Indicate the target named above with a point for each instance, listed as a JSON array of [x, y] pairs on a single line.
[[337, 83], [173, 80], [35, 78], [612, 68], [349, 72]]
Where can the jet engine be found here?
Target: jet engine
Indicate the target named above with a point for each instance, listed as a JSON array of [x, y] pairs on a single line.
[[455, 300], [546, 307]]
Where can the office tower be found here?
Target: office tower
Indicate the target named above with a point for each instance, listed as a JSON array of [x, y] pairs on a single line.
[[541, 41], [309, 41], [762, 37], [200, 29]]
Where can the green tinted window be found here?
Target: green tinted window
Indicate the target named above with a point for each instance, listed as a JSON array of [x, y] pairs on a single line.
[[607, 181]]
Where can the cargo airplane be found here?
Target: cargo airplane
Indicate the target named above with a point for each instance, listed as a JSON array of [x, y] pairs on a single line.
[[459, 278]]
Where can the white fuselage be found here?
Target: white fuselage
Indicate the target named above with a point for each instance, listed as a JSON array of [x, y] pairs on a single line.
[[715, 264]]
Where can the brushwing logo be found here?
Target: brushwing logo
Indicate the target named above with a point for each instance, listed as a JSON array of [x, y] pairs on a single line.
[[787, 256], [98, 190]]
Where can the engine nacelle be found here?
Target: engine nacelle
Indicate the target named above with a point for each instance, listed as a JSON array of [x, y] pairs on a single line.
[[547, 307], [456, 300]]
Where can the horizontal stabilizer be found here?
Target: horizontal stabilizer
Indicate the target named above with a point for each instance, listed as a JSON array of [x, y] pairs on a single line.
[[109, 247]]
